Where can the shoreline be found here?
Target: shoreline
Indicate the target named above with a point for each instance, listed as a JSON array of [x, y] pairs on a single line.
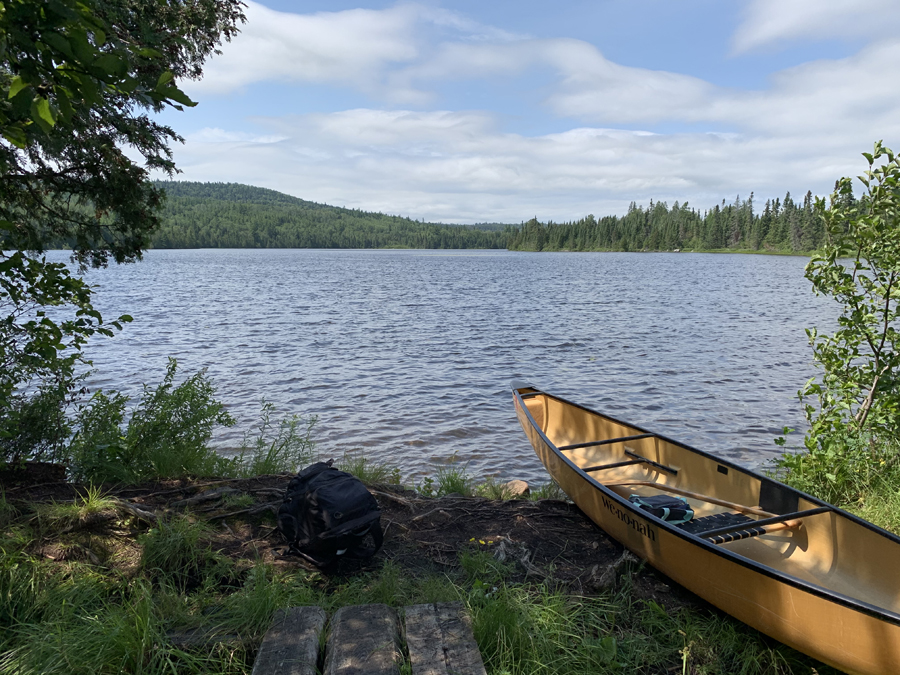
[[511, 556]]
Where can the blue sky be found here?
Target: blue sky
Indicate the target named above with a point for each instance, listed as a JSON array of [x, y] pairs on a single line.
[[471, 111]]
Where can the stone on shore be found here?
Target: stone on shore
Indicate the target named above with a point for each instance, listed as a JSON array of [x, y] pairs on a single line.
[[516, 488]]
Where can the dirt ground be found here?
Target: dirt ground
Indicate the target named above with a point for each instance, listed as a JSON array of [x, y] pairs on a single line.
[[544, 540]]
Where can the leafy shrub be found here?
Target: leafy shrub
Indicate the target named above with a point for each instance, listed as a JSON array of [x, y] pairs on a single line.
[[854, 408], [33, 427], [166, 436]]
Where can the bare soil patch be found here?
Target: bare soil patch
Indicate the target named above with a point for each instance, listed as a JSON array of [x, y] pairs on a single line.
[[547, 540]]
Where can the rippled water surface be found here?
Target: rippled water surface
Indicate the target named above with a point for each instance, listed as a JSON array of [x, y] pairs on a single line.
[[408, 354]]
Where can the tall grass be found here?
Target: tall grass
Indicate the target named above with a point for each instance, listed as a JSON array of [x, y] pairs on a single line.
[[860, 474], [76, 619], [275, 447], [175, 552], [368, 470]]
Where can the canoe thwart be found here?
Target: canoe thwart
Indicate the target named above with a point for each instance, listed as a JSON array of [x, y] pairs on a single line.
[[613, 465], [656, 465], [608, 441]]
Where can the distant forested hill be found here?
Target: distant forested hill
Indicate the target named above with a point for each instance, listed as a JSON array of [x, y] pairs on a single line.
[[230, 215]]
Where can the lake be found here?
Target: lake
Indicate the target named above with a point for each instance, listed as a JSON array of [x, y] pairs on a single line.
[[407, 355]]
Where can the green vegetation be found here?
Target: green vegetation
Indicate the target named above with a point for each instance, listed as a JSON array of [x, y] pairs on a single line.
[[782, 227], [77, 81], [168, 434], [276, 448], [229, 215], [851, 456], [79, 618], [367, 470]]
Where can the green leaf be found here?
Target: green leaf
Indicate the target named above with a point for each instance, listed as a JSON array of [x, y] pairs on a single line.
[[44, 112], [164, 79], [111, 64], [175, 94], [59, 43], [17, 85], [16, 135]]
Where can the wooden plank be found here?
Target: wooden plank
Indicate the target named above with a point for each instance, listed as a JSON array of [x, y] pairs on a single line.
[[440, 641], [363, 640], [291, 645]]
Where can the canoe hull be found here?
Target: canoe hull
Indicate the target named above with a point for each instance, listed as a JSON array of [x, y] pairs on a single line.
[[847, 638]]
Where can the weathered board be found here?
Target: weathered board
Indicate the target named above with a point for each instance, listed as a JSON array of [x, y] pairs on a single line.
[[440, 641], [291, 645], [363, 640]]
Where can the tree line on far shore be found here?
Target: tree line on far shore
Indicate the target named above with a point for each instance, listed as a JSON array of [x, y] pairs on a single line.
[[231, 215], [783, 226]]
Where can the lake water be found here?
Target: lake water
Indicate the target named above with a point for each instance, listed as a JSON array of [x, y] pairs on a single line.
[[407, 355]]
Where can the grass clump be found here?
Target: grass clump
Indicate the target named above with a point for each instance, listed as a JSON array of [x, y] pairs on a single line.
[[176, 553], [275, 448], [56, 517], [368, 470]]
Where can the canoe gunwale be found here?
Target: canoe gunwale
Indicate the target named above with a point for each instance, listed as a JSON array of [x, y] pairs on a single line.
[[698, 539]]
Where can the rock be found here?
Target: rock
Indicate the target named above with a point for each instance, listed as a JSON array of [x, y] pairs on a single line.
[[516, 488], [363, 640]]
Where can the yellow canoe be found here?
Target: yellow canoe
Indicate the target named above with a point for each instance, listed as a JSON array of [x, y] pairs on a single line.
[[795, 568]]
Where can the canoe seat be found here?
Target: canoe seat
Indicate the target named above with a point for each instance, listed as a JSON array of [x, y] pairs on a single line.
[[719, 520]]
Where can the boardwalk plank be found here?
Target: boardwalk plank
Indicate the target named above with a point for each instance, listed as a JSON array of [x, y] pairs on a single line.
[[440, 641], [363, 640], [291, 645]]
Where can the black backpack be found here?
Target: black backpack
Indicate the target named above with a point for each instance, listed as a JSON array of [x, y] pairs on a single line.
[[327, 513], [673, 510]]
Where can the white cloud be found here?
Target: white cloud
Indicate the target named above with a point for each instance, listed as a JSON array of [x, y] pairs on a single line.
[[770, 23], [217, 135], [348, 47], [459, 167], [358, 48], [801, 131]]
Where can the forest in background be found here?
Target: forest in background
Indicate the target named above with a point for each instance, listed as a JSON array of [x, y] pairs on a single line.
[[783, 226], [231, 215]]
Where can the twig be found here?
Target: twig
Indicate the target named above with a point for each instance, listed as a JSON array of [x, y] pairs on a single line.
[[204, 497], [394, 498], [428, 513], [251, 510], [35, 487], [140, 514]]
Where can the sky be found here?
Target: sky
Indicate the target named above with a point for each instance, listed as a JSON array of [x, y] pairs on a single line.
[[470, 111]]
